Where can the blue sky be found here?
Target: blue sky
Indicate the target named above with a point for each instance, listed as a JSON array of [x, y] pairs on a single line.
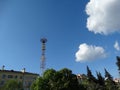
[[67, 24]]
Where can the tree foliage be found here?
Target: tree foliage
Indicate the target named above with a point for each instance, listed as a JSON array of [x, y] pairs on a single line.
[[91, 78], [99, 83], [100, 79], [118, 65], [108, 75], [56, 80], [64, 79], [13, 85], [118, 62]]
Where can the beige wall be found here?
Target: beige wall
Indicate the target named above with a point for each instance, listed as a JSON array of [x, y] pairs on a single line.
[[26, 78]]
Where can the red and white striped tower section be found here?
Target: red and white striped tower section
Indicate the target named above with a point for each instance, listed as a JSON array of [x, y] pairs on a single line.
[[43, 41]]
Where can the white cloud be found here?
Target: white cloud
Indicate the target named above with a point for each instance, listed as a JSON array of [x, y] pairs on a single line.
[[89, 52], [104, 16], [116, 46]]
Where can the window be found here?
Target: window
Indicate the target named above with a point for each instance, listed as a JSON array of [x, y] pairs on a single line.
[[29, 83], [34, 78], [20, 77], [2, 82], [16, 76], [10, 76], [3, 76]]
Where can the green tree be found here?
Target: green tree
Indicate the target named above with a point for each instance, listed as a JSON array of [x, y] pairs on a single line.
[[108, 75], [40, 84], [118, 63], [91, 78], [56, 80], [100, 79], [13, 85], [92, 81], [69, 80], [109, 83], [84, 83]]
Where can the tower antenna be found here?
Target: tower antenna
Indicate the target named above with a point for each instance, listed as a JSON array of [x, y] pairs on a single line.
[[43, 41]]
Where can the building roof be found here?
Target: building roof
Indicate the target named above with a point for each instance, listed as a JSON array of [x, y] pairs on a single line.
[[20, 72]]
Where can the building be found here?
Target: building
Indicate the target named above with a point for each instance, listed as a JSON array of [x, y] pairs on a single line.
[[117, 80], [26, 78]]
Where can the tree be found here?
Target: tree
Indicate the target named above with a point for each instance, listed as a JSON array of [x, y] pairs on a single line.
[[91, 78], [100, 79], [69, 80], [13, 85], [92, 81], [118, 63], [108, 75], [56, 80], [109, 83], [40, 84]]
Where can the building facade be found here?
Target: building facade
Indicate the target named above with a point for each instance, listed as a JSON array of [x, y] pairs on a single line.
[[26, 78]]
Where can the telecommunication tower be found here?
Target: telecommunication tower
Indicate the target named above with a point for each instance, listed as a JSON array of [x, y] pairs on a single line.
[[43, 41]]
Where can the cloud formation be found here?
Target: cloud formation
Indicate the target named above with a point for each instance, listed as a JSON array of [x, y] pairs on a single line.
[[89, 52], [116, 46], [104, 16]]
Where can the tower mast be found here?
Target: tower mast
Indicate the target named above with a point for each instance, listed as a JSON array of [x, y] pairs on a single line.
[[43, 41]]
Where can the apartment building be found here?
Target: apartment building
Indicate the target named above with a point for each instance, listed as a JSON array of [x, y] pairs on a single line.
[[26, 78]]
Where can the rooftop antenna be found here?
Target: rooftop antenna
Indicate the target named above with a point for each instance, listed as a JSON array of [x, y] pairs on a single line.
[[43, 41], [3, 67]]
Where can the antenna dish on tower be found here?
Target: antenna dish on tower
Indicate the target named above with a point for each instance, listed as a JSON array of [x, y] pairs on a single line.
[[43, 40]]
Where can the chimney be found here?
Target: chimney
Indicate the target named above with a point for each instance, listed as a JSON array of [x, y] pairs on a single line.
[[3, 67], [23, 70]]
